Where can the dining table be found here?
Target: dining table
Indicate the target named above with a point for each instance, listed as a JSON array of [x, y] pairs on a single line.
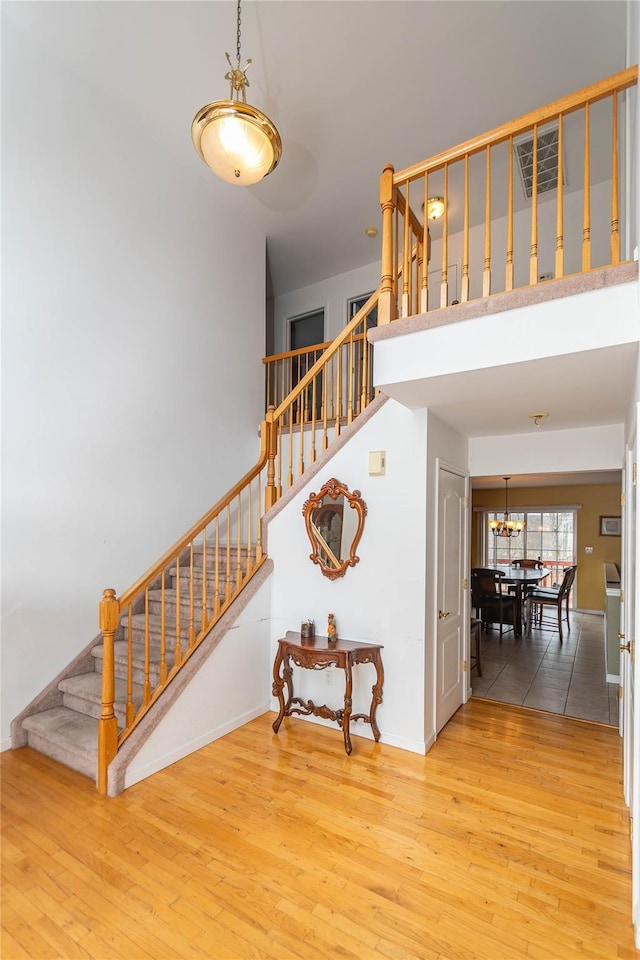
[[520, 577]]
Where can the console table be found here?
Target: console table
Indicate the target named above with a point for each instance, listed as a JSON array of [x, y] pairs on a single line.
[[318, 653]]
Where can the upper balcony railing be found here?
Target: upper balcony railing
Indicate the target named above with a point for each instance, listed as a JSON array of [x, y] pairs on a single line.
[[496, 235]]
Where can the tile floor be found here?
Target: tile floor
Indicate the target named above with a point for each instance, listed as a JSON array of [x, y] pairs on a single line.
[[540, 672]]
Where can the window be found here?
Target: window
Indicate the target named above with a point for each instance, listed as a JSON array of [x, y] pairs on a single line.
[[357, 304], [549, 535]]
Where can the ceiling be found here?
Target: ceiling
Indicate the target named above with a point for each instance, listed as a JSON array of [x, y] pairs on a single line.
[[583, 389], [352, 85]]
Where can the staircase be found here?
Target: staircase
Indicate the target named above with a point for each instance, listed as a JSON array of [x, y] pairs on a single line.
[[190, 597], [68, 731]]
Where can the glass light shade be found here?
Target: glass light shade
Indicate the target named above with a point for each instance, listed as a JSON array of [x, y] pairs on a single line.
[[238, 142], [435, 207]]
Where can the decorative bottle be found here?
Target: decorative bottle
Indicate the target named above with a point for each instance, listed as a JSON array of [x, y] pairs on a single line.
[[332, 633]]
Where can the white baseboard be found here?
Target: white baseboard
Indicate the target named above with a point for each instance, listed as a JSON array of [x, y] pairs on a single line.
[[141, 773], [5, 744], [364, 730], [597, 613]]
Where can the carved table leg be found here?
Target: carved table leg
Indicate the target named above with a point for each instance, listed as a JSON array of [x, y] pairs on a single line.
[[377, 694], [346, 717], [278, 685]]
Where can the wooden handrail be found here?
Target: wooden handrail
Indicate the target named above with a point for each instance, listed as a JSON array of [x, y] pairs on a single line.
[[574, 101], [296, 353]]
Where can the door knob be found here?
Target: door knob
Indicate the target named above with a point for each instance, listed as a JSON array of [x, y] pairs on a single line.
[[442, 615], [624, 646]]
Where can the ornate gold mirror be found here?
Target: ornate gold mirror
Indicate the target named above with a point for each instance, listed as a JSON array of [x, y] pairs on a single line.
[[334, 519]]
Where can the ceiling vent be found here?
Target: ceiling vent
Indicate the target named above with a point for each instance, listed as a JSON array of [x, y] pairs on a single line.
[[547, 161]]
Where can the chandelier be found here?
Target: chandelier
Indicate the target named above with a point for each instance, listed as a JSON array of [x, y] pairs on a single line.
[[506, 527], [238, 142]]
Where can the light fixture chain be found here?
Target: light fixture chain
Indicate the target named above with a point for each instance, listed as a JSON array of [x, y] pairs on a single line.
[[238, 36]]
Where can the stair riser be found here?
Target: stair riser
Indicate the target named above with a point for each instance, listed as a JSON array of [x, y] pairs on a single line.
[[79, 762], [92, 709]]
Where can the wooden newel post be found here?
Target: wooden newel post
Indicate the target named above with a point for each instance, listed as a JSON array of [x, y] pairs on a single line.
[[107, 725], [270, 494], [386, 304]]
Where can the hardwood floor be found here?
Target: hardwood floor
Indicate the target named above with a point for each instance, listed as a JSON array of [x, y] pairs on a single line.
[[510, 839]]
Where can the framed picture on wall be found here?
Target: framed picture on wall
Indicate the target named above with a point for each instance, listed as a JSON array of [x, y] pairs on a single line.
[[610, 526]]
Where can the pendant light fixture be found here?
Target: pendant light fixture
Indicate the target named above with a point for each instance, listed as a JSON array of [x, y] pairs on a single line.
[[506, 527], [238, 142]]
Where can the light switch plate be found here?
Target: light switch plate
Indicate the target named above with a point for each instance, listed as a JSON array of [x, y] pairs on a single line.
[[377, 463]]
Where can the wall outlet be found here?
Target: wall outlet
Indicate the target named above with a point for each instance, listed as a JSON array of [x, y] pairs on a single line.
[[328, 675], [588, 549]]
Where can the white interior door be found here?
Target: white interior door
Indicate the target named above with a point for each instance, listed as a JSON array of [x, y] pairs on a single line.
[[451, 597]]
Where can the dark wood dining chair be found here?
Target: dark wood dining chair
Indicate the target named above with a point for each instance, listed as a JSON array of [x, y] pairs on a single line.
[[527, 564], [539, 597], [489, 601]]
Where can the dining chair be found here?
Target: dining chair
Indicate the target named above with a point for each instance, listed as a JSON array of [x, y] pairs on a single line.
[[527, 564], [489, 601], [475, 630], [539, 597]]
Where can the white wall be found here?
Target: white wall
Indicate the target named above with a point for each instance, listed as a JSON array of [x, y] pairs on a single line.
[[381, 598], [229, 690], [331, 295], [554, 451], [129, 319]]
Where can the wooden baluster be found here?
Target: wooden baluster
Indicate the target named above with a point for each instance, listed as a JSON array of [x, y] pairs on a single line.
[[163, 632], [267, 426], [464, 283], [486, 274], [258, 521], [249, 534], [424, 287], [227, 572], [586, 197], [386, 307], [269, 383], [338, 391], [239, 542], [615, 213], [177, 659], [301, 451], [367, 369], [205, 616], [314, 401], [130, 710], [146, 687], [192, 626], [290, 465], [417, 274], [508, 280], [396, 251], [216, 570], [406, 258], [325, 406], [351, 375], [533, 258], [109, 616], [285, 364], [560, 205], [279, 455], [444, 281]]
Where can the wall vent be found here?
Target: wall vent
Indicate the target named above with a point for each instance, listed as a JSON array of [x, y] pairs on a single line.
[[547, 161]]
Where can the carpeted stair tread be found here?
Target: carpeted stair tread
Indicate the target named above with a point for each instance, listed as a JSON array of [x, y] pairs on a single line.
[[83, 693], [65, 735]]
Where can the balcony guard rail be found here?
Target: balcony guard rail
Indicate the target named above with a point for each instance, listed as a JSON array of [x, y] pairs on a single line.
[[172, 607], [561, 149]]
